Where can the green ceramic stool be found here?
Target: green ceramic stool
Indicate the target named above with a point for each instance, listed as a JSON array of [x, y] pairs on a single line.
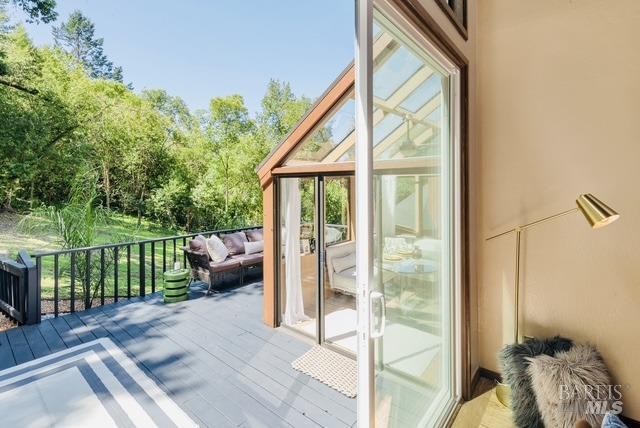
[[176, 285]]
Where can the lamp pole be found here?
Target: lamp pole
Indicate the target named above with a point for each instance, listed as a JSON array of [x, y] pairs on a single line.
[[596, 212]]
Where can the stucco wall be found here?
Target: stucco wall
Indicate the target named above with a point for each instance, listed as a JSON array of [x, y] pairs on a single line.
[[558, 113]]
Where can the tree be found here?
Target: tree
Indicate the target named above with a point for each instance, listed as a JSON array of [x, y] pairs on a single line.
[[38, 10], [77, 38], [281, 110]]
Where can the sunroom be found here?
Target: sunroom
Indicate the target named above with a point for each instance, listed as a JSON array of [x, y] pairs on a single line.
[[310, 222]]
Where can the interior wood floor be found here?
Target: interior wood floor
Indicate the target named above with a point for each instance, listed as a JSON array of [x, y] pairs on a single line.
[[484, 410]]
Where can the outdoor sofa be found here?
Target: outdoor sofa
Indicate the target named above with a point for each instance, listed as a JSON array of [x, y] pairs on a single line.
[[204, 269]]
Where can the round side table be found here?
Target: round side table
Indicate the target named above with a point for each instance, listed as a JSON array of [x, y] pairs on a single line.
[[176, 285]]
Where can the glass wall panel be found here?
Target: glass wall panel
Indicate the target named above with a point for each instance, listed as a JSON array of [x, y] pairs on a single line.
[[333, 132]]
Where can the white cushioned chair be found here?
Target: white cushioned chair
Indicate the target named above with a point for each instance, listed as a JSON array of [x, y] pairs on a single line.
[[341, 267]]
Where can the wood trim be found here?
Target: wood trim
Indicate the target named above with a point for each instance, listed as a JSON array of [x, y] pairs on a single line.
[[269, 260], [420, 18], [316, 168], [416, 13], [475, 379], [461, 26], [324, 105], [488, 374], [631, 423]]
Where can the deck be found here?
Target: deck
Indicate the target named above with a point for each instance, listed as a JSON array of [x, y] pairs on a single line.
[[212, 355]]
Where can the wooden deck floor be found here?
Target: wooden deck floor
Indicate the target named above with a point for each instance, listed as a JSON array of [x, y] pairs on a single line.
[[212, 355]]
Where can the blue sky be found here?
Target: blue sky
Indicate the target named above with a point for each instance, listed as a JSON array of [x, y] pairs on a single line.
[[198, 49]]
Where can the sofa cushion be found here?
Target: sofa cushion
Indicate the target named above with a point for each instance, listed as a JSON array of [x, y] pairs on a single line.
[[197, 259], [248, 259], [255, 235], [198, 244], [343, 263], [225, 265], [235, 242], [218, 252], [253, 247], [345, 280]]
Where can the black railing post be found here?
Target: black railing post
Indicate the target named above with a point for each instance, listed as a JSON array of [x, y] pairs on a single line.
[[87, 280], [116, 252], [32, 285], [102, 277], [56, 284], [129, 271], [184, 255], [164, 256], [175, 254], [153, 267], [72, 291], [142, 270]]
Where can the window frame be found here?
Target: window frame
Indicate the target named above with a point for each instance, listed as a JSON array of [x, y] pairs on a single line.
[[456, 11]]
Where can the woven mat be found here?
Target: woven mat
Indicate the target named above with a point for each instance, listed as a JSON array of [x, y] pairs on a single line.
[[332, 369]]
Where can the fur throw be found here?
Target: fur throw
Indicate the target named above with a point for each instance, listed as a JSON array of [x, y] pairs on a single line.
[[514, 362], [565, 384]]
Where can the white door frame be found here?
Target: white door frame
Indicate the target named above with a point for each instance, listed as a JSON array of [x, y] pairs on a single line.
[[364, 206], [365, 203]]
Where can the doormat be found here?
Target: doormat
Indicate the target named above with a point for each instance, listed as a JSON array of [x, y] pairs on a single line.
[[331, 368]]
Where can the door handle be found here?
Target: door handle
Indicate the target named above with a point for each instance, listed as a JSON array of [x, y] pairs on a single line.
[[377, 305]]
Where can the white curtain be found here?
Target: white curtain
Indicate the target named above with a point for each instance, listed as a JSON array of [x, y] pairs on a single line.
[[294, 304], [388, 215]]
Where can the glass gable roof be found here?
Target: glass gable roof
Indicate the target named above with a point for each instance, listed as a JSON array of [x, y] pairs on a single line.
[[423, 94], [395, 71], [409, 95]]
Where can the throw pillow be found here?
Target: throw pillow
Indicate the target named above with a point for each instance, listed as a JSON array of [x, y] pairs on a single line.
[[216, 248], [198, 244], [567, 384], [235, 242], [343, 263], [255, 235], [253, 247], [513, 359]]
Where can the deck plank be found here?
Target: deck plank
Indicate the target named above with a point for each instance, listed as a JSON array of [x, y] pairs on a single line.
[[212, 355], [19, 345], [6, 355], [231, 387], [246, 364], [65, 333], [36, 342], [51, 336], [78, 328]]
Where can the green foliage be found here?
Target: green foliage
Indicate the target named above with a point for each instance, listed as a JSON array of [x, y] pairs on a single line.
[[38, 10], [152, 157], [76, 222], [77, 37], [76, 226], [281, 110]]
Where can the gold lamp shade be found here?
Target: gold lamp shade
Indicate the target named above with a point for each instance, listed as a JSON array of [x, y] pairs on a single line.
[[597, 213]]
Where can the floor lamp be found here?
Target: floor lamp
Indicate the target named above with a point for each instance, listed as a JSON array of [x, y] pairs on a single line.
[[596, 212]]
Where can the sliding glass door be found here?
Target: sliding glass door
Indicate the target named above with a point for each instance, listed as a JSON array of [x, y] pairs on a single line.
[[317, 282], [408, 349], [339, 284]]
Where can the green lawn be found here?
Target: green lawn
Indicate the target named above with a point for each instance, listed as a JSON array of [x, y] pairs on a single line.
[[121, 229]]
